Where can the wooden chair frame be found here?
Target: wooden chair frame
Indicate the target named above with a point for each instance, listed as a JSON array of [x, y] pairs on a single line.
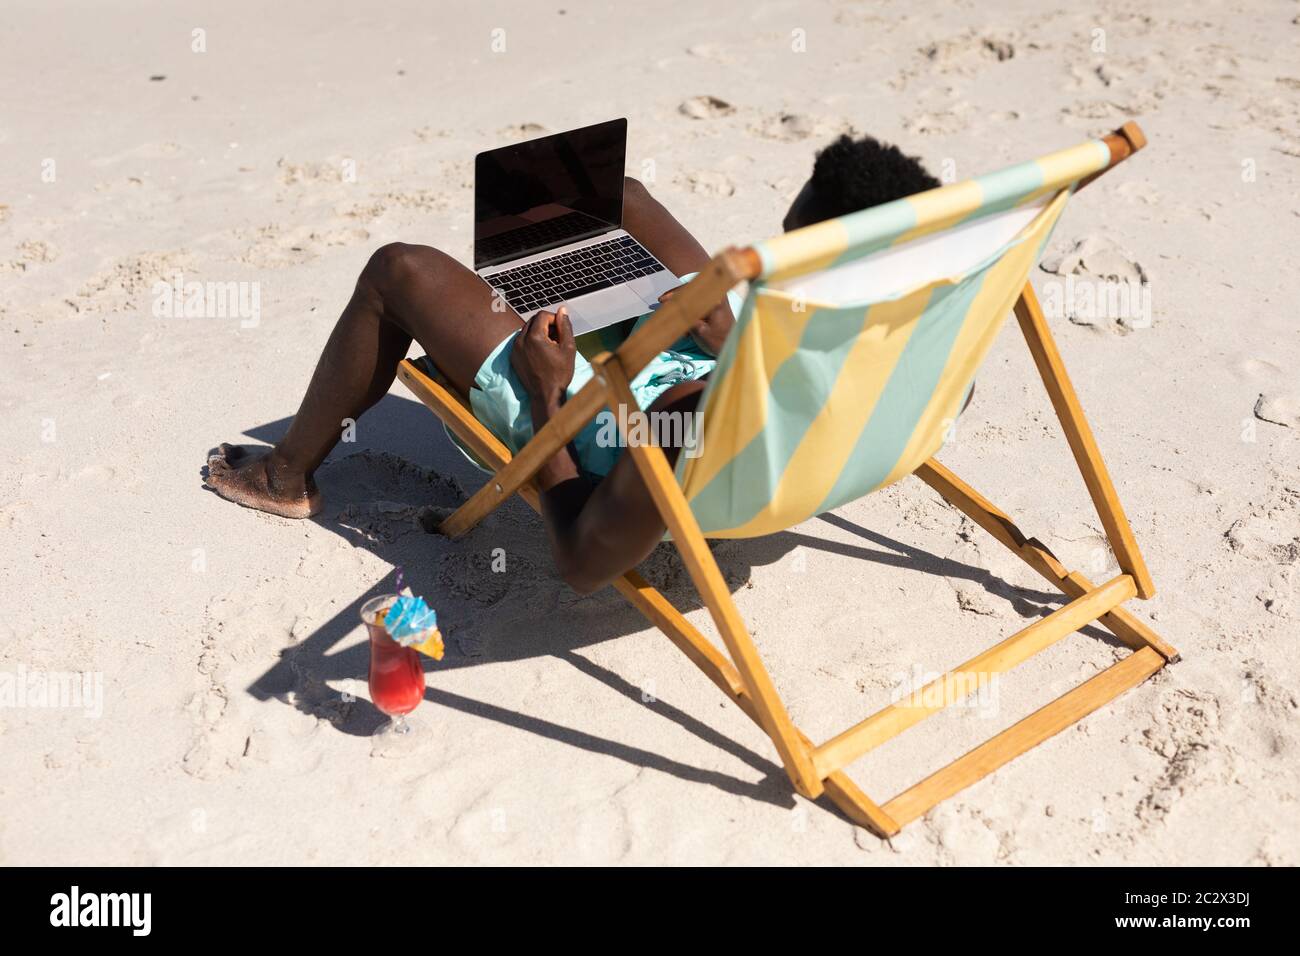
[[816, 769]]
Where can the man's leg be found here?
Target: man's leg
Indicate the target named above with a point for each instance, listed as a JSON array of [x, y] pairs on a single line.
[[405, 292], [656, 229]]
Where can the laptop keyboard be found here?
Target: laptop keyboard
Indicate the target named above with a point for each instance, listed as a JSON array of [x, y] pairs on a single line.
[[574, 273], [554, 232]]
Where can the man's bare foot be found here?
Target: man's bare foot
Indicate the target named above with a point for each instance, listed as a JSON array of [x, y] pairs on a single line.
[[250, 477]]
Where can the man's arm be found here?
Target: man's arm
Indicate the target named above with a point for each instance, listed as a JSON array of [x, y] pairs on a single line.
[[596, 532], [712, 330]]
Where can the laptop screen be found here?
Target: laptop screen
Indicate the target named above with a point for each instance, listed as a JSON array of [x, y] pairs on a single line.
[[547, 192]]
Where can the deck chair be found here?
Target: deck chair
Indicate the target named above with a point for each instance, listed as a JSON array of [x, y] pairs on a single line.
[[857, 343]]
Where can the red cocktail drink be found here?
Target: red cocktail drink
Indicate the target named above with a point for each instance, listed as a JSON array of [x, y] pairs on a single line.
[[396, 674]]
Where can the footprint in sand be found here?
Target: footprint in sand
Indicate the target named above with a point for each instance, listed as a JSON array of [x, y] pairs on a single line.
[[1136, 103], [705, 107], [793, 127], [414, 200], [127, 283], [522, 131], [476, 576], [1181, 732], [1269, 532], [710, 51], [942, 123], [1114, 291], [707, 183], [274, 247], [313, 173], [1093, 77], [1252, 369], [1096, 256], [370, 475], [1281, 592], [968, 52], [294, 174], [31, 252], [1262, 539], [1136, 191]]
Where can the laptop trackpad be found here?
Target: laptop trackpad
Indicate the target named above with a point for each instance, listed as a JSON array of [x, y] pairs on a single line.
[[650, 287], [599, 309]]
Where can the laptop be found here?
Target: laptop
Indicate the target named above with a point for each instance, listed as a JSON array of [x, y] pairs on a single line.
[[548, 229]]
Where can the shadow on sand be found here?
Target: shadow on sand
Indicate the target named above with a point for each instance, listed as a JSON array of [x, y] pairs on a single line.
[[405, 449]]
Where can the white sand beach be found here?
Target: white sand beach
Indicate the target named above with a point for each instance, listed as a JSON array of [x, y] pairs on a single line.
[[228, 719]]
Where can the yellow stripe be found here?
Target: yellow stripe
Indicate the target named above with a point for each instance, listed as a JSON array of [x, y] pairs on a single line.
[[939, 208], [1066, 168], [810, 248], [738, 403], [997, 295], [1068, 165], [831, 438]]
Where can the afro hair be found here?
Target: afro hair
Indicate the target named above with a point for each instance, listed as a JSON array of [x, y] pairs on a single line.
[[856, 174]]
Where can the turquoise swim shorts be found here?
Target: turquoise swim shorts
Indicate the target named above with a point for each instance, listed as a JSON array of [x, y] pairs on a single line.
[[501, 403]]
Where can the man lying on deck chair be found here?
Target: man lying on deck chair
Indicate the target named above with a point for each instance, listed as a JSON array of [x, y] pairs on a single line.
[[599, 514]]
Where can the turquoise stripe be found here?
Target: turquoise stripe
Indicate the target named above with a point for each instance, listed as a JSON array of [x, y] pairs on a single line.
[[907, 393], [797, 391], [874, 229], [1003, 189], [1006, 188]]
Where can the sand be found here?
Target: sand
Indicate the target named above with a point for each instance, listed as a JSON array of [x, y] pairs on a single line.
[[230, 722]]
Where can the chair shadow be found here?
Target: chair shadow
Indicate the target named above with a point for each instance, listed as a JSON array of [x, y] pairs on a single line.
[[301, 676]]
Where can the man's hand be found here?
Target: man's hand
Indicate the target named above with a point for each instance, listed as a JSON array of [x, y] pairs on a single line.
[[712, 330], [543, 356]]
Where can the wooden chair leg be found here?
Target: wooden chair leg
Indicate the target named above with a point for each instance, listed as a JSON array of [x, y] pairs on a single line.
[[843, 792], [452, 410], [688, 538], [1082, 443]]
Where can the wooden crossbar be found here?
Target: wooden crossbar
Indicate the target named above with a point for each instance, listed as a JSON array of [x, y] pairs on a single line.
[[1030, 732], [843, 749], [423, 379], [552, 436], [979, 509]]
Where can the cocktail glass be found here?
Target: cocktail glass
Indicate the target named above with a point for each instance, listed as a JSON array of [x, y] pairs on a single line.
[[396, 674]]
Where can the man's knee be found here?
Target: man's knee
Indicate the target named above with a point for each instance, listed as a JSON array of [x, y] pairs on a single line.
[[400, 262], [634, 191]]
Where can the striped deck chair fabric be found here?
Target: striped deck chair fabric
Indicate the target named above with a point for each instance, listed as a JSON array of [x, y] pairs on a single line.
[[859, 341]]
